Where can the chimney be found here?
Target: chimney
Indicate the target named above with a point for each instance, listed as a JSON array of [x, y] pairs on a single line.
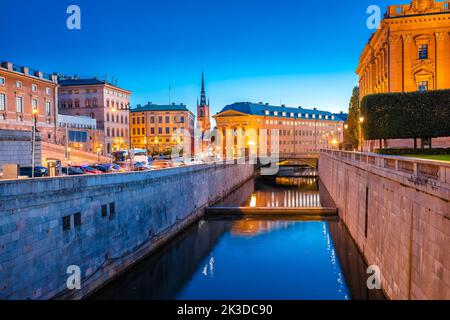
[[7, 65], [38, 74]]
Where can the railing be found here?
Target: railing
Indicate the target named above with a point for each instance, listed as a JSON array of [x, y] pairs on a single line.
[[415, 168]]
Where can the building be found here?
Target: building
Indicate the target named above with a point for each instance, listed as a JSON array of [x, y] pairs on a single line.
[[153, 126], [79, 133], [409, 52], [27, 95], [299, 130], [203, 114], [98, 99]]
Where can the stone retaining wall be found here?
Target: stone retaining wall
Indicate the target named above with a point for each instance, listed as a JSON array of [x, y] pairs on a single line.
[[103, 224], [398, 212]]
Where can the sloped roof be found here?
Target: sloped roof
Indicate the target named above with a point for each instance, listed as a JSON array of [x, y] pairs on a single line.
[[260, 109]]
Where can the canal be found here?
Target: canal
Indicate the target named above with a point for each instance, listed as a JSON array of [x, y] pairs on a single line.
[[252, 257]]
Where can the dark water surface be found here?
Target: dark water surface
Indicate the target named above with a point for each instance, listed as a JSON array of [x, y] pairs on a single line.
[[252, 258]]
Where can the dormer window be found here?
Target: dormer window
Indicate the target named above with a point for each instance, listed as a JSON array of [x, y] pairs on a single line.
[[306, 115], [267, 112], [292, 114], [284, 114], [275, 113], [423, 51]]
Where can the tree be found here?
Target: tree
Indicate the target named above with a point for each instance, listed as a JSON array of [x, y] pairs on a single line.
[[352, 132]]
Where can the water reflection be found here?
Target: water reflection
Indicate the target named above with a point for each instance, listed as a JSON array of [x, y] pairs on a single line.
[[276, 192]]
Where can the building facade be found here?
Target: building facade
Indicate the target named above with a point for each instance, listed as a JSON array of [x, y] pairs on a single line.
[[159, 128], [298, 130], [28, 96], [108, 104], [79, 133], [409, 52]]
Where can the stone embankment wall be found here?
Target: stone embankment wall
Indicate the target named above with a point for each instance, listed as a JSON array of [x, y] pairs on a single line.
[[102, 224], [398, 212]]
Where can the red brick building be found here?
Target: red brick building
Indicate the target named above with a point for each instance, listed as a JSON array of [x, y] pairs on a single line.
[[23, 90]]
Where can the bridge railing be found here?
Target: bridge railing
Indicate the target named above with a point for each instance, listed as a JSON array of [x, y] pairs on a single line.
[[426, 169]]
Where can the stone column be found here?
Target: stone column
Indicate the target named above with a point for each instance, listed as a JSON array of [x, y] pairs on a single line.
[[395, 72], [442, 60]]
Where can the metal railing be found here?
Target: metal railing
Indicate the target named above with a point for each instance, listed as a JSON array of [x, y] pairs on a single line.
[[425, 169]]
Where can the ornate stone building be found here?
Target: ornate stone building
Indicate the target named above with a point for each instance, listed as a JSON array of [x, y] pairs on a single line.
[[410, 51]]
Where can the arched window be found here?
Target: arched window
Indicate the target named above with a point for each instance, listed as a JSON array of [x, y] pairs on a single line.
[[94, 102], [63, 104], [70, 104], [121, 105], [107, 103], [121, 119], [107, 132], [107, 116], [121, 133], [77, 103], [87, 103], [92, 115], [117, 118], [113, 132]]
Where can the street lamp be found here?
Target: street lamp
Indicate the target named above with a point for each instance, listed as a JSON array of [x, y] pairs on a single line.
[[33, 136], [68, 155], [361, 121]]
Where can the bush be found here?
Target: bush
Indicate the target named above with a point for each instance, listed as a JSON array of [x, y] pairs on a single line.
[[405, 151], [406, 115]]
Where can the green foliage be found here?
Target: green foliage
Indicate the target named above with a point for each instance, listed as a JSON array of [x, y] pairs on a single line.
[[352, 133], [406, 115], [409, 151]]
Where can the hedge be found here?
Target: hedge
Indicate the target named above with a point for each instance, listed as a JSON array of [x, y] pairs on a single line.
[[409, 151], [406, 115]]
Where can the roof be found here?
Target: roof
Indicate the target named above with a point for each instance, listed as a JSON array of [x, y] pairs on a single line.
[[157, 107], [85, 82], [259, 109]]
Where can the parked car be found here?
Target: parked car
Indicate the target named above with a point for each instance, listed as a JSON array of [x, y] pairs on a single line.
[[89, 170], [72, 171], [108, 167], [139, 166], [39, 171]]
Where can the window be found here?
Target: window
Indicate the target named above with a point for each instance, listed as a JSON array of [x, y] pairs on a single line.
[[139, 131], [159, 130], [160, 119], [47, 91], [152, 130], [19, 104], [104, 210], [167, 130], [182, 119], [152, 119], [77, 219], [423, 51], [423, 86], [112, 210], [2, 81], [77, 103], [87, 103], [34, 87], [2, 102], [167, 119], [48, 108], [66, 223], [18, 84], [267, 112]]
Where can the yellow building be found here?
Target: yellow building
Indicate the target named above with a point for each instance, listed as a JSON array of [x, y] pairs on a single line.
[[409, 52], [157, 128], [298, 130]]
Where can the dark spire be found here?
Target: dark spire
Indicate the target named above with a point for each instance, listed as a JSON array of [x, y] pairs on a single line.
[[203, 94]]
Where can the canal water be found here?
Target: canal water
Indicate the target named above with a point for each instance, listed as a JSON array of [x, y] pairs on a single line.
[[253, 258]]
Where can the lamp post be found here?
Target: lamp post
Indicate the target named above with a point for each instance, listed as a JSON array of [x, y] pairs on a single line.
[[361, 121], [33, 142], [68, 155]]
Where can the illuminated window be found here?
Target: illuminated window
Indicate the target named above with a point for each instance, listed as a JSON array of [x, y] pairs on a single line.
[[2, 102], [267, 112], [423, 51], [423, 86], [275, 113]]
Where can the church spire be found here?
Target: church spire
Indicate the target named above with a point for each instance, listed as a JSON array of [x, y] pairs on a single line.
[[203, 93]]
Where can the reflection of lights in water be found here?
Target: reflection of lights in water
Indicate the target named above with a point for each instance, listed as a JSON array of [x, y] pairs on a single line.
[[333, 260], [253, 201], [209, 268]]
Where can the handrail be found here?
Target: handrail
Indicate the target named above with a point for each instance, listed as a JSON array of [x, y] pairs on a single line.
[[427, 169]]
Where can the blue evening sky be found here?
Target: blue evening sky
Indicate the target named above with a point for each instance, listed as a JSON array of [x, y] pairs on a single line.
[[295, 52]]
